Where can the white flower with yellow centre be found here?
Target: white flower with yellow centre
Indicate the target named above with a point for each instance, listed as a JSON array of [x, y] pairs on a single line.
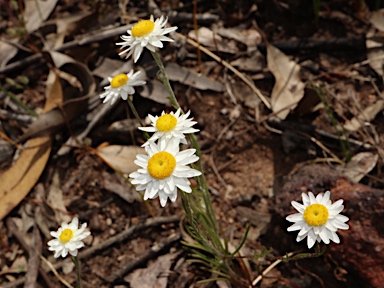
[[318, 219], [164, 170], [146, 33], [170, 125], [68, 239], [121, 86]]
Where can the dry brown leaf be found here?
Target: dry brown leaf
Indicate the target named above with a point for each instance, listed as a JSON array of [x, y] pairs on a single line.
[[190, 78], [367, 115], [359, 166], [66, 25], [110, 67], [375, 55], [288, 89], [55, 200], [116, 184], [120, 157], [377, 19], [17, 181], [7, 52], [156, 91], [51, 122], [21, 177], [249, 37], [215, 42], [36, 12], [155, 275]]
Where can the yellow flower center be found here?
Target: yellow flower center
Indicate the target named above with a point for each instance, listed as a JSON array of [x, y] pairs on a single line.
[[142, 28], [166, 122], [161, 165], [316, 215], [66, 235], [119, 80]]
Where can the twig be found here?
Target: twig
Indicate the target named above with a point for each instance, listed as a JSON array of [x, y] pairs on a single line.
[[88, 39], [20, 238], [269, 268], [229, 66], [34, 260], [54, 270], [152, 222]]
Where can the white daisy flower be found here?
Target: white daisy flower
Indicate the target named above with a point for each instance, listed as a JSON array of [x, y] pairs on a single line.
[[68, 239], [170, 125], [318, 219], [146, 33], [121, 85], [163, 170]]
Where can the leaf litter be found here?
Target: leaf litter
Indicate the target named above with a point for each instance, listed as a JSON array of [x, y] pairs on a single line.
[[246, 168]]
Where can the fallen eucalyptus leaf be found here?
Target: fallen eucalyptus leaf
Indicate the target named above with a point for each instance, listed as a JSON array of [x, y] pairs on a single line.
[[367, 115], [191, 78], [120, 157], [288, 89], [359, 166], [36, 12]]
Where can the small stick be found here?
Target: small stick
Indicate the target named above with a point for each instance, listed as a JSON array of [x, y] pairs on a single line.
[[269, 268]]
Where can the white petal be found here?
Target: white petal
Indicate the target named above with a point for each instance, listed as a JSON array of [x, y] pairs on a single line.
[[326, 197], [305, 229], [299, 207], [325, 235], [295, 217], [295, 227], [311, 238], [312, 198]]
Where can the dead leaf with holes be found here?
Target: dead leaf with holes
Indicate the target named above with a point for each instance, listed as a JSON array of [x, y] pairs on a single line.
[[288, 89]]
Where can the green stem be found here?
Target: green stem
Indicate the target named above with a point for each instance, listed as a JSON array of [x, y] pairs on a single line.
[[201, 179], [18, 102], [134, 111], [165, 80], [78, 272]]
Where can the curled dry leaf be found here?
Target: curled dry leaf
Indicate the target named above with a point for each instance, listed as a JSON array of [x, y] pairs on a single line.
[[120, 157], [53, 121], [288, 89]]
